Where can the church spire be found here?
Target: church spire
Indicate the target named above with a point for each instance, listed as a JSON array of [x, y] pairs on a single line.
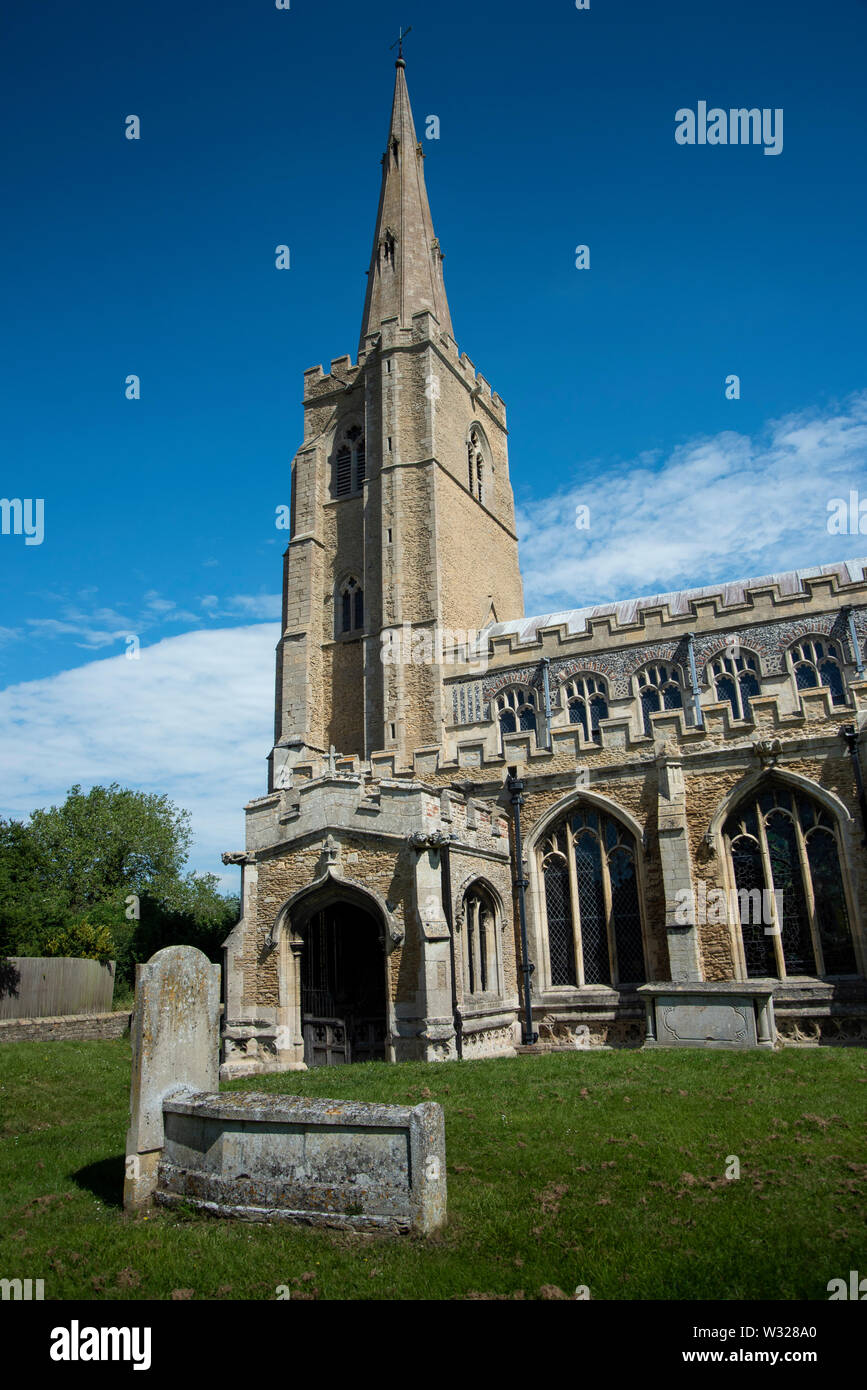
[[406, 274]]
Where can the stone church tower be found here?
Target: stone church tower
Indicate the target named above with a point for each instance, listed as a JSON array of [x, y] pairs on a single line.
[[402, 511], [637, 823]]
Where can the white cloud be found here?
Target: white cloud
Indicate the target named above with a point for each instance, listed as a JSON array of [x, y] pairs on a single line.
[[726, 507], [192, 718], [256, 605]]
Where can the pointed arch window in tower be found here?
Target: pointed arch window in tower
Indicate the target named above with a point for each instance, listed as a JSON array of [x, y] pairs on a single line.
[[343, 471], [351, 609], [476, 466], [350, 463]]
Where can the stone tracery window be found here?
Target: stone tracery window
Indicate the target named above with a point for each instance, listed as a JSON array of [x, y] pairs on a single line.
[[476, 465], [350, 463], [517, 710], [736, 679], [587, 701], [479, 917], [351, 606], [816, 662], [591, 900], [659, 688], [783, 844]]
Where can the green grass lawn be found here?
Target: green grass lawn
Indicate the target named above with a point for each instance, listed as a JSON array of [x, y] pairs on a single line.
[[606, 1170]]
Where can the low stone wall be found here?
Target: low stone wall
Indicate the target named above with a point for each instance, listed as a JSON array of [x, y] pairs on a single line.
[[65, 1028], [346, 1164]]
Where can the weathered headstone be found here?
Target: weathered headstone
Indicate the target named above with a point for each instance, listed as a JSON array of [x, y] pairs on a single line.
[[175, 1048]]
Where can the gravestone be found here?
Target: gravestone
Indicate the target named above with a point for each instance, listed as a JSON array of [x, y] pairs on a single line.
[[258, 1157], [175, 1049]]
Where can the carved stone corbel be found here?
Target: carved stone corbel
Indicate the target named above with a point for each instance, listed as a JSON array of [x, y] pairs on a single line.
[[768, 751]]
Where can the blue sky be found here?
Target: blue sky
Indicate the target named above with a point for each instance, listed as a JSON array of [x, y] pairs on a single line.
[[262, 126]]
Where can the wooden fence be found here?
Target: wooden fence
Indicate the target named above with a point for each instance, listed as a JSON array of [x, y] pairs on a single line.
[[48, 986]]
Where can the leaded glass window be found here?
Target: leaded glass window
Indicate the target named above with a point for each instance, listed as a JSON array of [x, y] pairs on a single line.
[[784, 844], [592, 901], [817, 662], [736, 679], [659, 687], [517, 711], [587, 702]]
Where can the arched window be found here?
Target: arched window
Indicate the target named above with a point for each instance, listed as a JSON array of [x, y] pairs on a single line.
[[736, 679], [476, 464], [343, 471], [659, 687], [587, 701], [593, 913], [816, 662], [785, 862], [479, 918], [350, 610], [517, 710], [350, 463]]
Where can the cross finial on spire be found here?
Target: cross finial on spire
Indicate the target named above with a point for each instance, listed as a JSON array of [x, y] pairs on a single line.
[[399, 43]]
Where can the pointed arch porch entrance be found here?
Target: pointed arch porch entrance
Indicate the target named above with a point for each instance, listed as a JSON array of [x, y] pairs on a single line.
[[343, 1008], [333, 939]]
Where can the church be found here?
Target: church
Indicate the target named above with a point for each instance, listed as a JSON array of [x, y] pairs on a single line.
[[483, 832]]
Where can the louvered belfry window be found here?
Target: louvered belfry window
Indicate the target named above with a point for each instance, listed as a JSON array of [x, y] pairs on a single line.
[[343, 471], [350, 463]]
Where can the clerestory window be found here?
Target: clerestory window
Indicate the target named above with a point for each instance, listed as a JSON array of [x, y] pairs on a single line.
[[736, 679], [587, 702]]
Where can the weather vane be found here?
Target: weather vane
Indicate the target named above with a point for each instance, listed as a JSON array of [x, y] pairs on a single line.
[[398, 44]]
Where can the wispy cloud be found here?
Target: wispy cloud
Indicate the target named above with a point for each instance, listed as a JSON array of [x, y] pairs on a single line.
[[95, 628], [724, 507], [192, 717], [256, 605]]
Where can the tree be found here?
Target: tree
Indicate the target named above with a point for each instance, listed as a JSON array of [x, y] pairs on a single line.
[[109, 858]]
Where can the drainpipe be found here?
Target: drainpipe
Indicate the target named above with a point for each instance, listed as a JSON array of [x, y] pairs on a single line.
[[853, 638], [446, 863], [515, 788], [546, 687], [850, 734], [696, 693]]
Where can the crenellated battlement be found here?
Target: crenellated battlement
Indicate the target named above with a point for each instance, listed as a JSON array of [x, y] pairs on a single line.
[[725, 607]]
